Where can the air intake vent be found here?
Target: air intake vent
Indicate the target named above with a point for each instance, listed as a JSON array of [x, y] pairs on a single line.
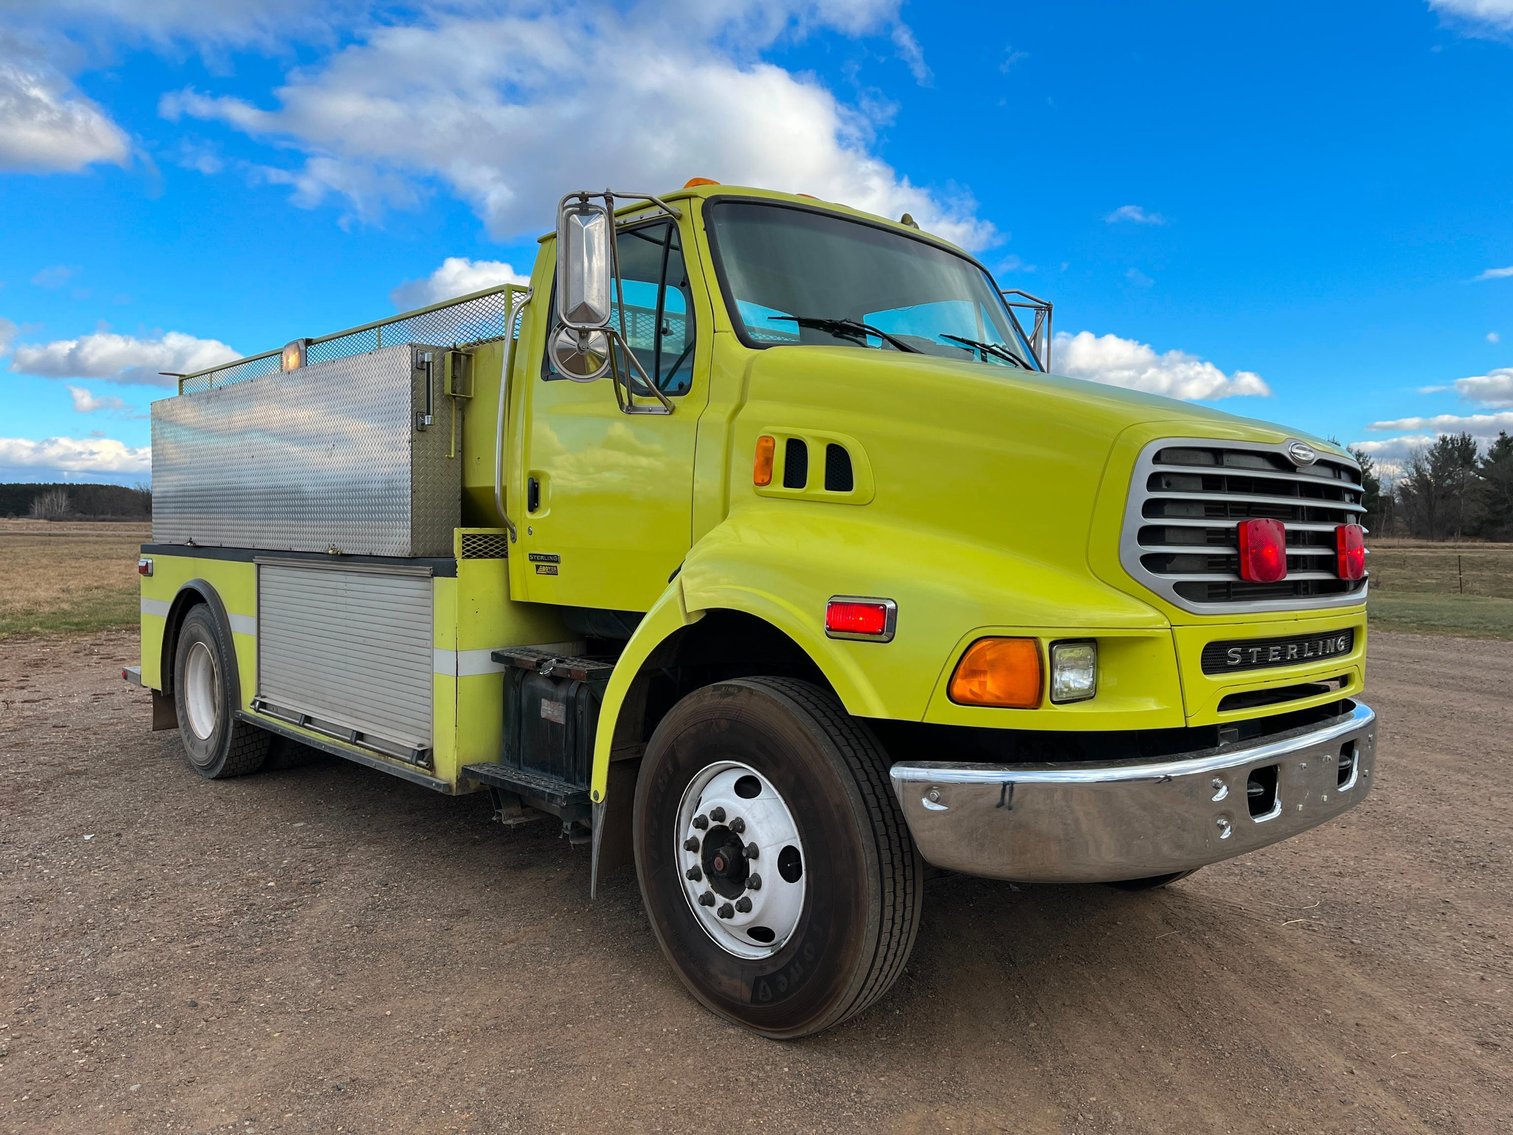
[[796, 464], [1187, 499], [838, 475], [485, 546]]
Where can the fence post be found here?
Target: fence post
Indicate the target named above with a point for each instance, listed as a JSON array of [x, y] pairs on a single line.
[[1460, 574]]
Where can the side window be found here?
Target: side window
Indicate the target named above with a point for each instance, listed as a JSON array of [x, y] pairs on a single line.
[[658, 314]]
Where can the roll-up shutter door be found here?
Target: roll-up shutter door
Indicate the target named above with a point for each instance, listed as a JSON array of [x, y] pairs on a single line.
[[349, 647]]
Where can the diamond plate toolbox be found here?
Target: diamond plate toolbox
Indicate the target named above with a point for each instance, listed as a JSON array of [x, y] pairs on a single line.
[[336, 455]]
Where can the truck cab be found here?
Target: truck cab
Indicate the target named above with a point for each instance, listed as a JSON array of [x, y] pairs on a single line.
[[803, 571]]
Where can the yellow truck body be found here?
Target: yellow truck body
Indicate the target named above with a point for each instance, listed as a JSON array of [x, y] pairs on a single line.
[[788, 462]]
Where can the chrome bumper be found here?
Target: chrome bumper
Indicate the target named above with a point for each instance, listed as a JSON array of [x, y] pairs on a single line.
[[1088, 823]]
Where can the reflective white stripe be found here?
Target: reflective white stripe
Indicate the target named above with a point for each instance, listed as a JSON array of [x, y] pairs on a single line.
[[240, 624], [471, 663]]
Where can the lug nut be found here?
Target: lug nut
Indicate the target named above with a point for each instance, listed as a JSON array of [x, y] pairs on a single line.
[[754, 882], [706, 899], [726, 911], [743, 904], [693, 873], [691, 844], [738, 825], [717, 815], [753, 851], [701, 822]]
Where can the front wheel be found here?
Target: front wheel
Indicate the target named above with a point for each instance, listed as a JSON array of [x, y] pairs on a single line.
[[205, 694], [773, 859]]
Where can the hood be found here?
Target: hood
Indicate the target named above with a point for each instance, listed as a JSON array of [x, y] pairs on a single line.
[[987, 456]]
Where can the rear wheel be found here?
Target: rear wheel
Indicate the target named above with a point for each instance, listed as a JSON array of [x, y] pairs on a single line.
[[206, 694], [775, 865]]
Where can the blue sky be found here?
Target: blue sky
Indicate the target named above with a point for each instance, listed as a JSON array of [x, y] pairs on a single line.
[[1301, 212]]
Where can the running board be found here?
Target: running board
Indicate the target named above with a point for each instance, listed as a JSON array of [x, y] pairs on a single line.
[[547, 793]]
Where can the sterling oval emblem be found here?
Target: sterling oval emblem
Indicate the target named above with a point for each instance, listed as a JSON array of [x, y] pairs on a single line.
[[1301, 453]]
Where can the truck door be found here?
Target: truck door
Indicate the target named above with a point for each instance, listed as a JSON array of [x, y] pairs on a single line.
[[604, 509]]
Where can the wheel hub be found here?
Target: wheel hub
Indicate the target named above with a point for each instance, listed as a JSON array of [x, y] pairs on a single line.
[[731, 822]]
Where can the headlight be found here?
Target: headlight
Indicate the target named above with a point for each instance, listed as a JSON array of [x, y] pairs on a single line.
[[1074, 671]]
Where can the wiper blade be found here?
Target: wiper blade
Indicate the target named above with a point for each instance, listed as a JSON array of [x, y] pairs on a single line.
[[853, 329], [997, 350]]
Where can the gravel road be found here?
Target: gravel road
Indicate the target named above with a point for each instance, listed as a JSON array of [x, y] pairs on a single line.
[[328, 949]]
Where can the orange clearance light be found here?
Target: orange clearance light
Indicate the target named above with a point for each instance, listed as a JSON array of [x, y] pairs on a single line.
[[761, 470], [1263, 551], [1001, 672], [696, 181], [1350, 551], [874, 620]]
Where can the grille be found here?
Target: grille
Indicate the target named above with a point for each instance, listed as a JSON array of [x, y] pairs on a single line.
[[796, 464], [838, 475], [485, 546], [1188, 496], [469, 319]]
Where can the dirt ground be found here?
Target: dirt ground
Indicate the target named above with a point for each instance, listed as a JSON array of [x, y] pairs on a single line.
[[328, 949]]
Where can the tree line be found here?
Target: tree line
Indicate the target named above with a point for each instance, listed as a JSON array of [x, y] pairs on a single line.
[[76, 502], [1449, 490]]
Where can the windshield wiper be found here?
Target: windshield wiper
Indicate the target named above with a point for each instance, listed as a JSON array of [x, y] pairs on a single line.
[[853, 329], [997, 350]]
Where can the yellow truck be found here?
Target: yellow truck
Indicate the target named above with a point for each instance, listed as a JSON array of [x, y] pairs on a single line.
[[756, 543]]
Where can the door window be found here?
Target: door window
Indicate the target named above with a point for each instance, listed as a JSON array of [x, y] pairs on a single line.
[[658, 313]]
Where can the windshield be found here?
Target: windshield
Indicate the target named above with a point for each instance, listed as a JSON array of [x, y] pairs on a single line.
[[795, 275]]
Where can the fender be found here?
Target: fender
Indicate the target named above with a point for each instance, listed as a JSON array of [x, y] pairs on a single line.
[[190, 592], [782, 568]]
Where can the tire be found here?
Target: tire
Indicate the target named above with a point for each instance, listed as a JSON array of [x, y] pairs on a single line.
[[1152, 883], [206, 693], [842, 885]]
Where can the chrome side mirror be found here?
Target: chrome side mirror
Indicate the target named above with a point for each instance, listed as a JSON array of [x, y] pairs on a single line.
[[580, 355], [585, 263]]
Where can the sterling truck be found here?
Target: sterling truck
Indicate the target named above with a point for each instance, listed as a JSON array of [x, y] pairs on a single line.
[[755, 542]]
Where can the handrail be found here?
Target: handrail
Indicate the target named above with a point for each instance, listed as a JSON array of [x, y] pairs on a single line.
[[372, 326]]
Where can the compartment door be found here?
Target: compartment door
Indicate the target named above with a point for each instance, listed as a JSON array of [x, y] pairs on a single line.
[[348, 652]]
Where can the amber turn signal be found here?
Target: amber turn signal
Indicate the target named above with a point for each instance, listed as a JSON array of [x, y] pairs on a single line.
[[1001, 672], [761, 469]]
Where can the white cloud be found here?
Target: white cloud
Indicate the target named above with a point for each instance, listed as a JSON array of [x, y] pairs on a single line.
[[1137, 366], [912, 54], [1138, 278], [1391, 454], [1494, 388], [1496, 273], [53, 277], [46, 124], [7, 334], [1478, 425], [121, 358], [88, 403], [1134, 214], [456, 276], [530, 104], [74, 455], [1496, 15], [1493, 337]]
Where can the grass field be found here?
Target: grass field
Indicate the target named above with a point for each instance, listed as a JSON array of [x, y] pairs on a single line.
[[62, 576]]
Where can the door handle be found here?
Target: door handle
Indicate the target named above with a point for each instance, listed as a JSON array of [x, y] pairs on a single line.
[[532, 494]]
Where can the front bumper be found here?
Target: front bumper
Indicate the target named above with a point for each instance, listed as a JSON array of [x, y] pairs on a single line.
[[1089, 823]]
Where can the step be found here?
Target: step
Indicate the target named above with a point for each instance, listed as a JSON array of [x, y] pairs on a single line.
[[550, 793]]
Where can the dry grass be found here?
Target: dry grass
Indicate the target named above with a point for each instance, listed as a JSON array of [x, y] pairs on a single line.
[[68, 576]]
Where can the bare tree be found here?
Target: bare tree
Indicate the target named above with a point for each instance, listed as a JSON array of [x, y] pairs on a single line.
[[50, 505]]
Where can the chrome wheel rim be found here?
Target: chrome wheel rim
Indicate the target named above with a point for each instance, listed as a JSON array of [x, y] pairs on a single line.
[[741, 861], [202, 691]]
